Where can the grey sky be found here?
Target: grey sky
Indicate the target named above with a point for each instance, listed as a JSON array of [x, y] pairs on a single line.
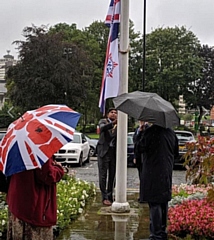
[[196, 15]]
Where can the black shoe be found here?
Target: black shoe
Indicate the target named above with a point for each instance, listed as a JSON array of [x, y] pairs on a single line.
[[151, 238], [141, 201]]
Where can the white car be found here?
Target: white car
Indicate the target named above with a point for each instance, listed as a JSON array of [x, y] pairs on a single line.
[[74, 152], [183, 138], [93, 146]]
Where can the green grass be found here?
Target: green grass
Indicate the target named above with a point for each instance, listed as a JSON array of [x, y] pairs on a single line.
[[93, 135]]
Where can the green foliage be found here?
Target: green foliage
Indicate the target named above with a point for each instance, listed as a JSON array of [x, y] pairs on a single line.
[[93, 136], [199, 161], [172, 61], [183, 127], [187, 117], [87, 129], [181, 193], [63, 64], [3, 215], [201, 93], [93, 39], [72, 197], [50, 70], [5, 120]]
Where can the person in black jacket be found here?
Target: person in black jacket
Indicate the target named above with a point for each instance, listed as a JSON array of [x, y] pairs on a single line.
[[106, 155], [159, 147], [137, 155]]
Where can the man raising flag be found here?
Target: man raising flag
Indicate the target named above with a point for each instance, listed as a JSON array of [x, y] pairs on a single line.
[[110, 80]]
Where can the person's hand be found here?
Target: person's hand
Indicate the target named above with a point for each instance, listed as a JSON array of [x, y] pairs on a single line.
[[114, 122], [134, 160], [57, 163], [142, 127]]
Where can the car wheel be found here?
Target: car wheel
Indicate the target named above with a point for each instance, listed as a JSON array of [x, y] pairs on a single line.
[[91, 151], [88, 158], [80, 160]]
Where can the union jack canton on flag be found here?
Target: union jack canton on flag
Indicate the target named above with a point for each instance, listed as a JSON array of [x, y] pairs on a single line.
[[110, 79]]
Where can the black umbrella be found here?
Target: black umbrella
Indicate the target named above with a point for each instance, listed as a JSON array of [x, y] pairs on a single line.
[[149, 107]]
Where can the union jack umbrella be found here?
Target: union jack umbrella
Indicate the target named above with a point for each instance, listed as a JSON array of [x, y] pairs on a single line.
[[33, 138]]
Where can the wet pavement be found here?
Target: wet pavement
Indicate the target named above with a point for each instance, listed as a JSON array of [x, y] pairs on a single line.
[[99, 223]]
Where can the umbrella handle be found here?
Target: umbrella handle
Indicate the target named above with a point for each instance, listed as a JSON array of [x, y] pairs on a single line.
[[66, 169]]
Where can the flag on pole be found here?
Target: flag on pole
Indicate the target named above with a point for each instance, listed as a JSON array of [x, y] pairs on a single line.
[[110, 79]]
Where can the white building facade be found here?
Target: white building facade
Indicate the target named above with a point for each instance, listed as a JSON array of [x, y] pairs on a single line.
[[5, 62]]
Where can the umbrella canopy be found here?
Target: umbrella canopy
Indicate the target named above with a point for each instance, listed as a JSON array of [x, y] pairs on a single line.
[[149, 107], [33, 138]]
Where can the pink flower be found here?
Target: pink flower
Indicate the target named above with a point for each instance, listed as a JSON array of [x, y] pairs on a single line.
[[195, 217]]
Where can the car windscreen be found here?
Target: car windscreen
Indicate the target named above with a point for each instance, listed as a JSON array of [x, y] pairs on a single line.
[[184, 136], [129, 140], [76, 139]]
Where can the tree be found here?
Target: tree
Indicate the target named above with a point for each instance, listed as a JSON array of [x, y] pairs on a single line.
[[201, 92], [92, 40], [50, 70], [135, 59], [172, 61]]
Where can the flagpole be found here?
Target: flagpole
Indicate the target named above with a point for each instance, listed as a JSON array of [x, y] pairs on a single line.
[[120, 205]]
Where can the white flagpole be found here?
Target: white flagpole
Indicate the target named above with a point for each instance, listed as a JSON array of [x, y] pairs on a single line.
[[121, 205]]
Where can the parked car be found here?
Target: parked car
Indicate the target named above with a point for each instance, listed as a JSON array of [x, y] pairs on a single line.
[[93, 145], [74, 152], [131, 134], [183, 138], [130, 151]]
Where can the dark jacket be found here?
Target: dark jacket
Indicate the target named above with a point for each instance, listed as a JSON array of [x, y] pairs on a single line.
[[159, 147], [107, 137], [136, 138], [32, 194]]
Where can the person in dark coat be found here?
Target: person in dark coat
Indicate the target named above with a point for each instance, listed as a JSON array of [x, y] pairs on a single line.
[[138, 156], [159, 147], [106, 155]]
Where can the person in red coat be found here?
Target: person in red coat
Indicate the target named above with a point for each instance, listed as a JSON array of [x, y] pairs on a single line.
[[31, 200]]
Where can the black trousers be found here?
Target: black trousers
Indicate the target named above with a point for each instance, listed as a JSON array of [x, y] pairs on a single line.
[[158, 220], [139, 166], [107, 170]]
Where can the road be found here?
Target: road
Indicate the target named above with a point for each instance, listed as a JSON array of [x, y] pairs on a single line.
[[89, 172]]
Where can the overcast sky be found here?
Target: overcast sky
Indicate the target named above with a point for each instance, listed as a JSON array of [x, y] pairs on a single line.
[[196, 15]]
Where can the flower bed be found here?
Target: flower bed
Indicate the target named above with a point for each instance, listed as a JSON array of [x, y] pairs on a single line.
[[72, 197], [191, 215]]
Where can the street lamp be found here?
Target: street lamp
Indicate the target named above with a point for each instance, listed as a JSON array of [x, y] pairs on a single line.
[[144, 44], [67, 52]]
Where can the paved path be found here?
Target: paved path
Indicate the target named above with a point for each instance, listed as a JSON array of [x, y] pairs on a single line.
[[89, 172], [93, 225]]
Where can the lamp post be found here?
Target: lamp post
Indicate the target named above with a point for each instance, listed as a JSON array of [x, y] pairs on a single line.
[[144, 44], [67, 51]]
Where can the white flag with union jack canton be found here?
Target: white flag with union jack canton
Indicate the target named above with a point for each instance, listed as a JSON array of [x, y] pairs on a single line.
[[110, 80]]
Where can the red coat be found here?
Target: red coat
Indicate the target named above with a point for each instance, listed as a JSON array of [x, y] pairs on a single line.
[[32, 194]]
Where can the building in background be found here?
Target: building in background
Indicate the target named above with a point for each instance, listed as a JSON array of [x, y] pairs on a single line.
[[5, 62], [182, 105]]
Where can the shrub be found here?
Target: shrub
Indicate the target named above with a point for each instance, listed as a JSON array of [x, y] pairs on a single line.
[[199, 161]]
